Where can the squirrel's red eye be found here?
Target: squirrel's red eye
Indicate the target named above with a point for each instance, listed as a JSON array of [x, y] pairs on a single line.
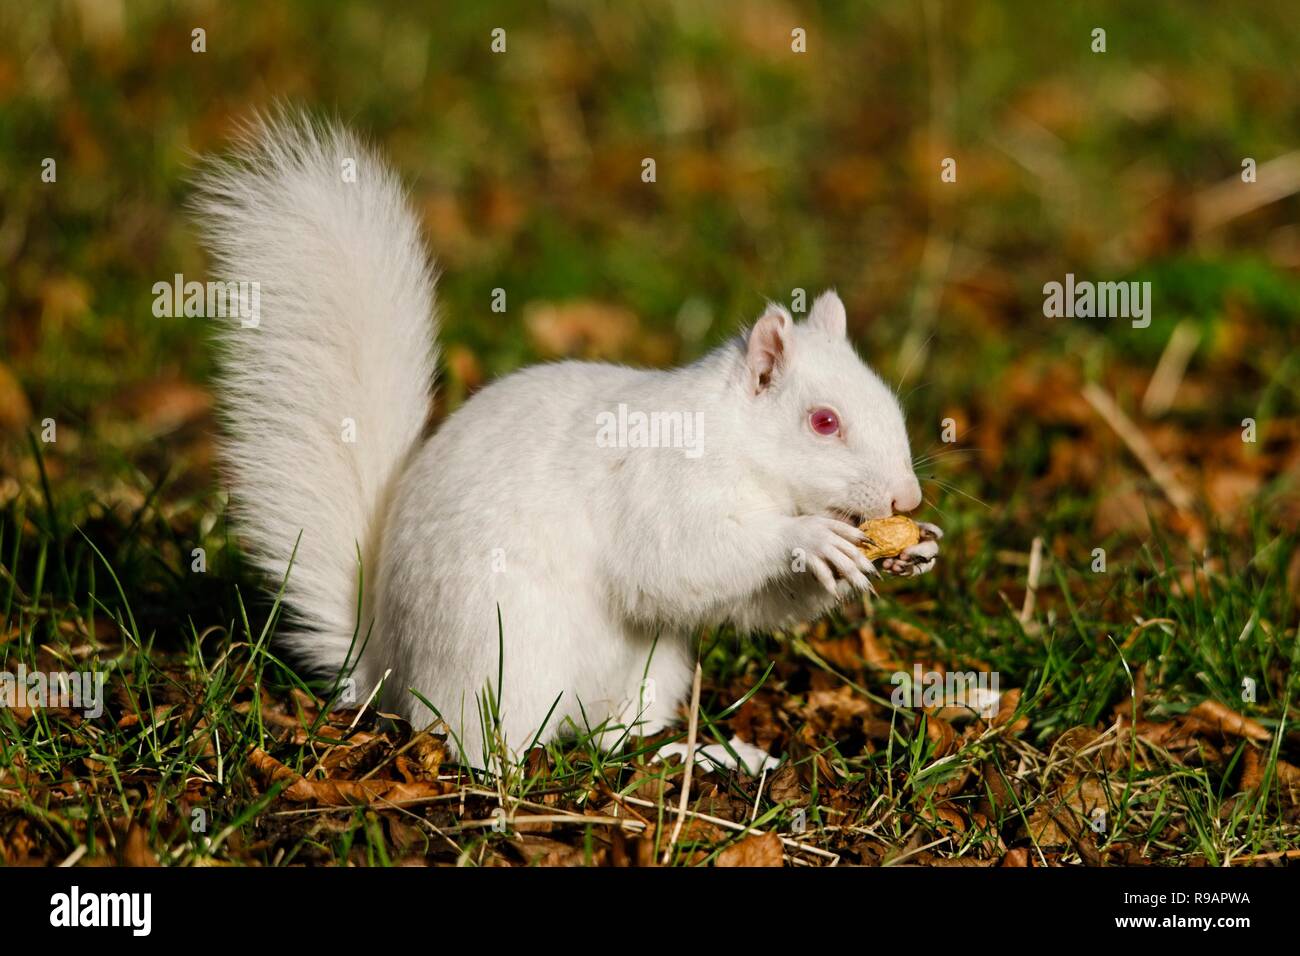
[[824, 421]]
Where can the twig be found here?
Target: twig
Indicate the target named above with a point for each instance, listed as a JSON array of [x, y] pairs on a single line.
[[428, 824], [1031, 588], [1262, 857], [1170, 369], [519, 823], [920, 849], [351, 727], [1141, 448], [366, 705], [691, 732], [352, 807], [744, 828], [758, 796], [1231, 198]]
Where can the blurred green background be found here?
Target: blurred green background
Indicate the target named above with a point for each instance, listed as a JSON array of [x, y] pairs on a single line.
[[776, 170]]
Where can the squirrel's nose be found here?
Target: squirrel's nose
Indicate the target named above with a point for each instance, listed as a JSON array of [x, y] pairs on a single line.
[[907, 497]]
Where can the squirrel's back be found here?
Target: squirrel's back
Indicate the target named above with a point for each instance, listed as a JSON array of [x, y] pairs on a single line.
[[326, 393]]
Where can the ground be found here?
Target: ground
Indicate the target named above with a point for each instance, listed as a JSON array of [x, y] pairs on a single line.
[[1120, 502]]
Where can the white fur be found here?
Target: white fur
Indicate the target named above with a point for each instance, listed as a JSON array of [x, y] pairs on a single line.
[[346, 332], [592, 555]]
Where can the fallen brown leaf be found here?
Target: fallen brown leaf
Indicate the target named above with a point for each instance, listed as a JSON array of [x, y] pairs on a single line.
[[15, 410], [1229, 722], [759, 849], [339, 793], [583, 328], [1007, 705], [136, 851]]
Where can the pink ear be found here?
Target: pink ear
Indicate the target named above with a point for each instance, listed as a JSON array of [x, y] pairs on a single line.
[[768, 349], [828, 314]]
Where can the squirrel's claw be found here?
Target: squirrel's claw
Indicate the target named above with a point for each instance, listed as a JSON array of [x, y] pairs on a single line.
[[919, 558], [929, 532]]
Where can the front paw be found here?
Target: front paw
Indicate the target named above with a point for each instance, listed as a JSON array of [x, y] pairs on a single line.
[[828, 547], [919, 558]]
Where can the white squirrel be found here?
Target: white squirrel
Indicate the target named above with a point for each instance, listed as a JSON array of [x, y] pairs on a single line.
[[601, 557]]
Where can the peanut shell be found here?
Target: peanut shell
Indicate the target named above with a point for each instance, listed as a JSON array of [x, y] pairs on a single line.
[[887, 537]]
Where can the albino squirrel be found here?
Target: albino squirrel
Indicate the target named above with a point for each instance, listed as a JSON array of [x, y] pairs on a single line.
[[602, 557]]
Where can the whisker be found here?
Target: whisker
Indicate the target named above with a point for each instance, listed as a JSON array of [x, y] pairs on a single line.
[[903, 399], [927, 459], [954, 489], [932, 448], [933, 505]]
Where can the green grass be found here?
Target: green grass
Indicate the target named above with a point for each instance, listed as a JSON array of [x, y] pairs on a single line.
[[190, 701]]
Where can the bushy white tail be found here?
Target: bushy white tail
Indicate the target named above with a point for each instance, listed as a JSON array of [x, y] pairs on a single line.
[[325, 396]]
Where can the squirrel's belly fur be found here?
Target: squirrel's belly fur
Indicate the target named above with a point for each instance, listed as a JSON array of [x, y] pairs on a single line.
[[499, 518]]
